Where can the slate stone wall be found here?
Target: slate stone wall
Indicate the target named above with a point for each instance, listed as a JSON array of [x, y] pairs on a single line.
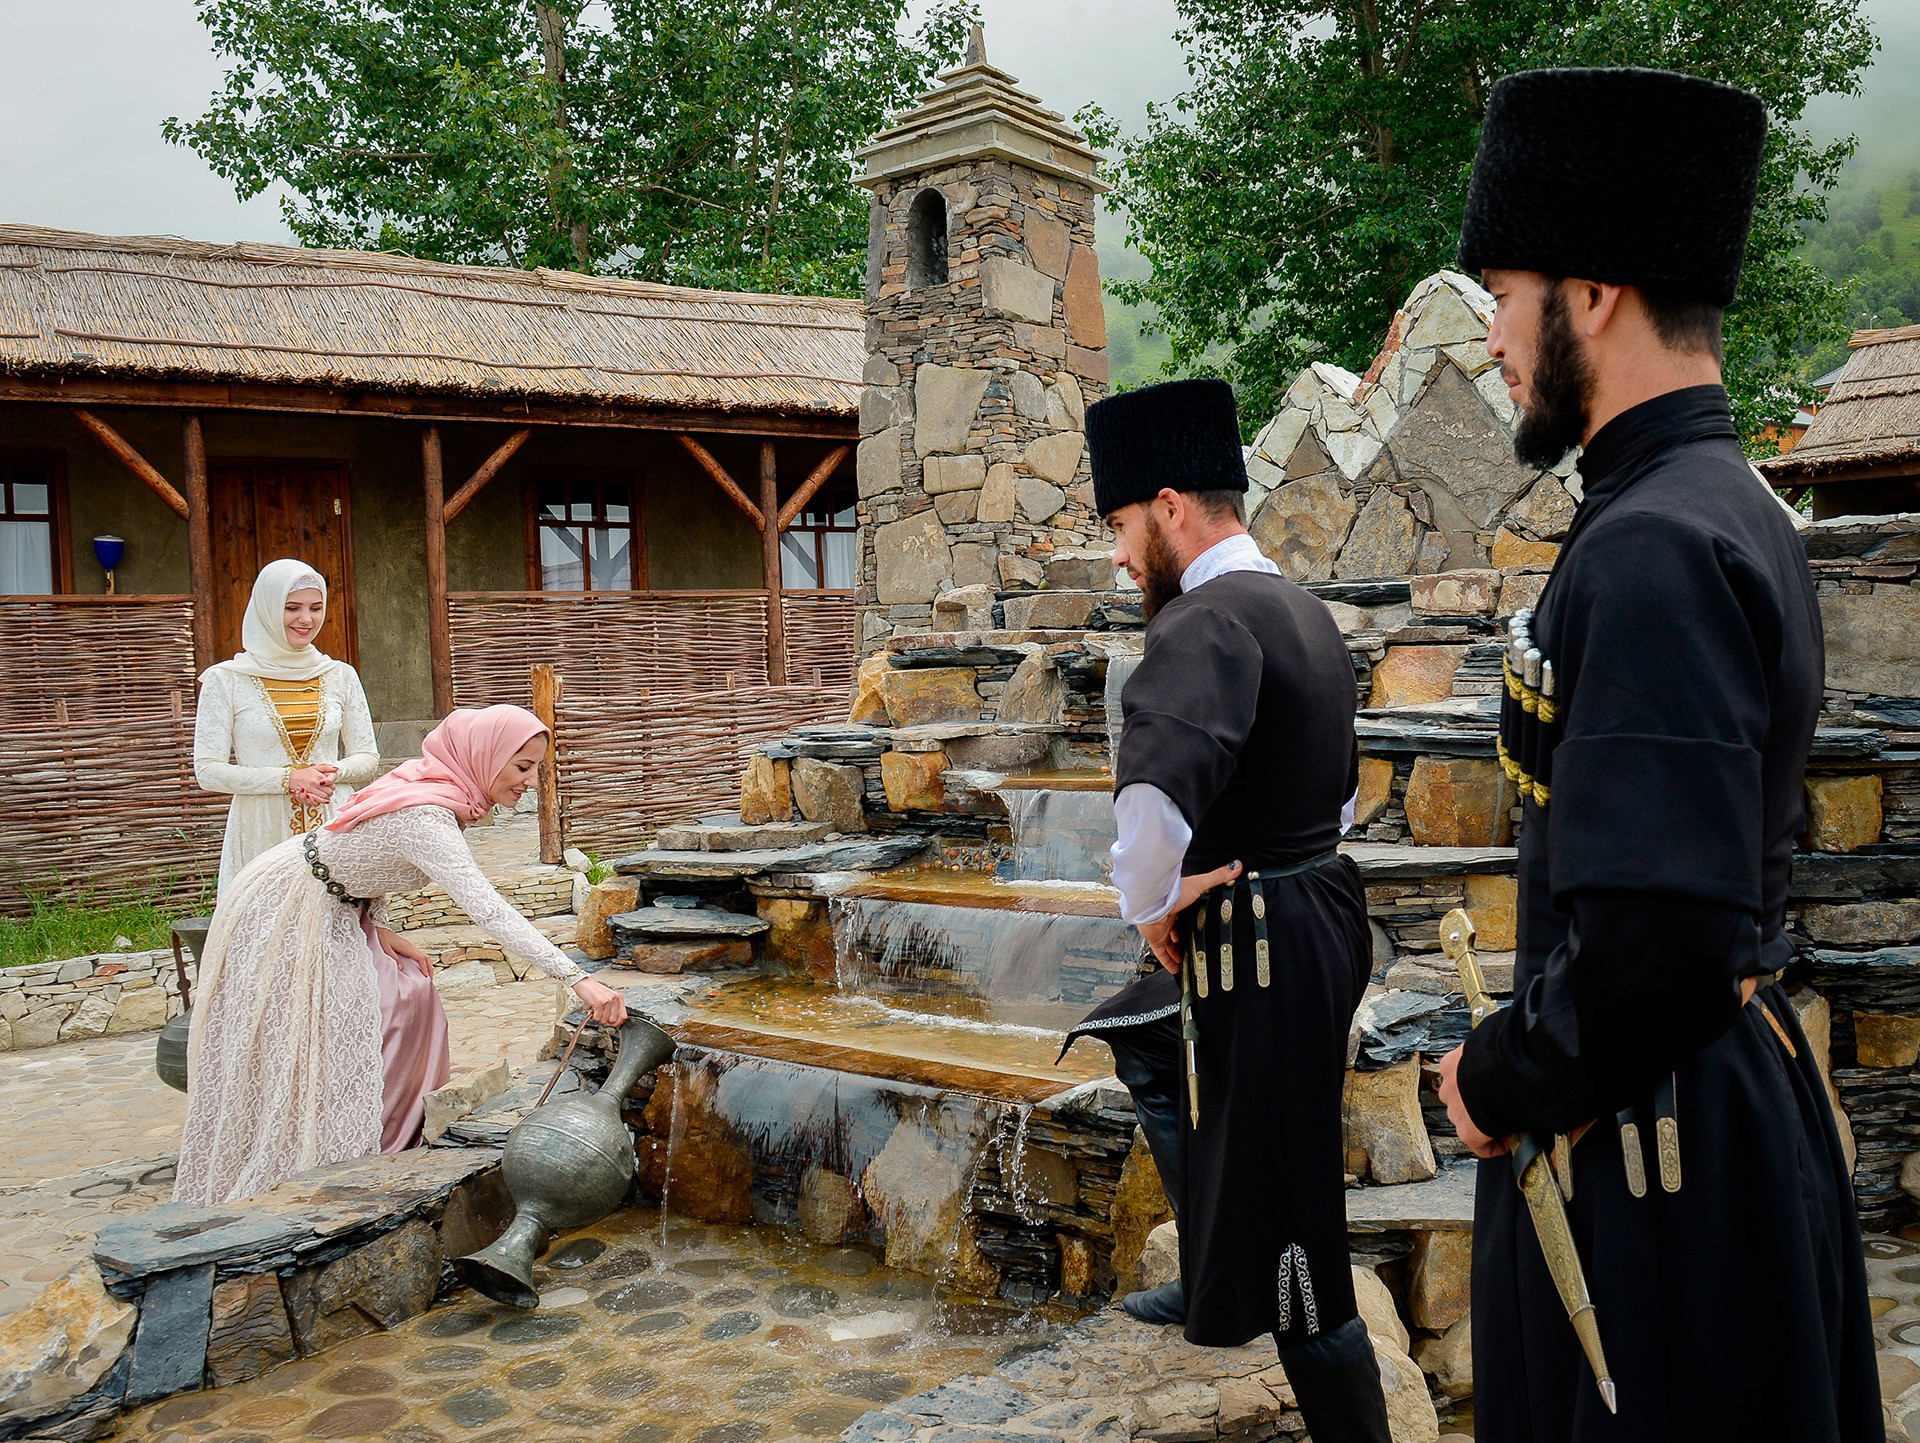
[[972, 466]]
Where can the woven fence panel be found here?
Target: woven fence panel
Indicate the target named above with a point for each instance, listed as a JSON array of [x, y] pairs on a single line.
[[605, 643], [108, 808], [104, 658], [629, 767], [822, 647]]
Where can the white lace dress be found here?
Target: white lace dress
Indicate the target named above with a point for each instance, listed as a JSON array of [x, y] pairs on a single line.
[[237, 749], [284, 1055]]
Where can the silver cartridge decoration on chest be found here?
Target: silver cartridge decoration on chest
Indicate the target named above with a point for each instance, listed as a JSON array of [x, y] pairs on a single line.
[[1529, 711]]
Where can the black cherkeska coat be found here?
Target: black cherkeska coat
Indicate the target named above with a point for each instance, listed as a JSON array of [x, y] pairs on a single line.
[[1685, 637], [1241, 711]]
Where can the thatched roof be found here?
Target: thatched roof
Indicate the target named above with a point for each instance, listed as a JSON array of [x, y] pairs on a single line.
[[155, 306], [1870, 420]]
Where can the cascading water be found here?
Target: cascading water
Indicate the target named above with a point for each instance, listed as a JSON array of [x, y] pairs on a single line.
[[1119, 668], [1058, 835], [1031, 969]]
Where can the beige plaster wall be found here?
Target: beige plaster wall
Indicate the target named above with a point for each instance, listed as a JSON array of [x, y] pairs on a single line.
[[696, 538]]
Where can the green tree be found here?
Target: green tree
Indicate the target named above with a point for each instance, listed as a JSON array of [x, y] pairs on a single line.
[[1317, 167], [704, 142]]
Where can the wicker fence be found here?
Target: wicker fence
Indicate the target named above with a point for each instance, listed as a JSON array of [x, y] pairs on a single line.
[[630, 644], [628, 767], [96, 751], [108, 808], [98, 656]]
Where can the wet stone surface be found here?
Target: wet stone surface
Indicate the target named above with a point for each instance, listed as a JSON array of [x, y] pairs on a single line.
[[736, 1348]]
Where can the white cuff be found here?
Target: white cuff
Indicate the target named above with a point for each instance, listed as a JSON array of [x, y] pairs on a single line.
[[1152, 843]]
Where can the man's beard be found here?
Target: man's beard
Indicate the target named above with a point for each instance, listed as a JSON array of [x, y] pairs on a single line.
[[1159, 572], [1561, 388]]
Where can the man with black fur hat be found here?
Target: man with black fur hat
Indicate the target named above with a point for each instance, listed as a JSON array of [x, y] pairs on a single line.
[[1667, 698], [1236, 757]]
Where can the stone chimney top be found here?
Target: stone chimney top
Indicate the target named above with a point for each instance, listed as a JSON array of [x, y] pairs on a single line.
[[978, 113]]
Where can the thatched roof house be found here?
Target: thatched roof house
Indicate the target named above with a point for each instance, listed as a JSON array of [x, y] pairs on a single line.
[[1861, 453], [78, 305], [218, 405]]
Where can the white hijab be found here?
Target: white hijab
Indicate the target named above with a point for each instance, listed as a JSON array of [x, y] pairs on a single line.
[[263, 630]]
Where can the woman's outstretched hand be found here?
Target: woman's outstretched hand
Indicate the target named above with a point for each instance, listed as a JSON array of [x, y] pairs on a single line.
[[398, 946], [604, 1005], [1163, 936]]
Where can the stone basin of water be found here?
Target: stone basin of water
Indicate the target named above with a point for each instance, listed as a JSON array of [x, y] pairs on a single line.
[[681, 1333], [950, 1030]]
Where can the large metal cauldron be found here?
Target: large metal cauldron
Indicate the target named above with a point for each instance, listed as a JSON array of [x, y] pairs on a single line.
[[566, 1164], [170, 1052]]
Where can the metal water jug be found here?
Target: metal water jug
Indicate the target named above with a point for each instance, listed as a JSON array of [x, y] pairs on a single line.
[[170, 1052], [566, 1164]]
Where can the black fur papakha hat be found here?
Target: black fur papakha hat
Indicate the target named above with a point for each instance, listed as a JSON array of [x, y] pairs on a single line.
[[1627, 177], [1179, 435]]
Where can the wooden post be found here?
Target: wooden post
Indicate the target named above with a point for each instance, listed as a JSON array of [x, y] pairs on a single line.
[[199, 542], [546, 705], [770, 567], [439, 636], [132, 460]]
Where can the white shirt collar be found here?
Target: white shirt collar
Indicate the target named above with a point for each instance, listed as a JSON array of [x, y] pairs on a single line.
[[1238, 552]]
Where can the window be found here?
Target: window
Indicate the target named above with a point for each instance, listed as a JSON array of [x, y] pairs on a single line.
[[30, 552], [817, 552], [589, 534], [927, 241]]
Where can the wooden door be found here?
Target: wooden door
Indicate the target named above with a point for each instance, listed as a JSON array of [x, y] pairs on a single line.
[[263, 510]]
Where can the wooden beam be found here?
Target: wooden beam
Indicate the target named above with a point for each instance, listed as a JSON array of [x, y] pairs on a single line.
[[439, 637], [199, 541], [816, 478], [727, 484], [489, 468], [132, 459], [515, 410], [546, 687], [770, 567]]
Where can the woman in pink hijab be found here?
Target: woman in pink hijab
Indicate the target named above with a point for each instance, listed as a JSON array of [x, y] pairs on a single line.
[[317, 1033]]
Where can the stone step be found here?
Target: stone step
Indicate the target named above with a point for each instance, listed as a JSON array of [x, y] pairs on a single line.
[[867, 854], [681, 922], [730, 834], [1443, 1203], [1405, 862], [1881, 871]]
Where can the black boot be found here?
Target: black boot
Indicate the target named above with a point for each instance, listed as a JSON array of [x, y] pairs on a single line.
[[1160, 1119], [1336, 1379], [1164, 1304]]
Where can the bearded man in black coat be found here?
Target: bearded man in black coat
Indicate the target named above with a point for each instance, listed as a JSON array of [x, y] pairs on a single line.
[[1671, 682]]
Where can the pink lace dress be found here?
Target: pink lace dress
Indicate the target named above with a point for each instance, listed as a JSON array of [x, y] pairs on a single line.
[[310, 1044]]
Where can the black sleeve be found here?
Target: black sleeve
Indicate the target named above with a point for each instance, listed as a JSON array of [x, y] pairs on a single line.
[[1654, 830], [1641, 984], [1189, 706]]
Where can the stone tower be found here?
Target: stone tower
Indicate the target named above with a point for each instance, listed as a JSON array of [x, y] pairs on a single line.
[[986, 339]]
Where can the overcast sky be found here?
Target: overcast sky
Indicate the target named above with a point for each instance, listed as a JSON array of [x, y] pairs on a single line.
[[84, 85]]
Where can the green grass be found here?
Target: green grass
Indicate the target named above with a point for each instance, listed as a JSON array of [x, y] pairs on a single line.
[[59, 929]]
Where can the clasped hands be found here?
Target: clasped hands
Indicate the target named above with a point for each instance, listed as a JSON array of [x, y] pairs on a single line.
[[313, 786]]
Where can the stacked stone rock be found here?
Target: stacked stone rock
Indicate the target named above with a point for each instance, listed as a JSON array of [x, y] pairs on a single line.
[[986, 342], [81, 997]]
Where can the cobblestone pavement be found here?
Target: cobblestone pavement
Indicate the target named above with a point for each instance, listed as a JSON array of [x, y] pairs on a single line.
[[91, 1131], [645, 1334]]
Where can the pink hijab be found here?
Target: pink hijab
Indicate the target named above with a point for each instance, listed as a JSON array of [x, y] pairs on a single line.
[[458, 762]]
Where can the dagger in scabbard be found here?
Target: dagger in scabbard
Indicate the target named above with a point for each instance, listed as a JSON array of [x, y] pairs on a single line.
[[1534, 1177]]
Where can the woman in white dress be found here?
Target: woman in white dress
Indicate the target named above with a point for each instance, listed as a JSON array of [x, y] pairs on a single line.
[[282, 728], [315, 1029]]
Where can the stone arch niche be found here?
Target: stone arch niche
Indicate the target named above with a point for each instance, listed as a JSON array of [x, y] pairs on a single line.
[[927, 240], [972, 460]]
